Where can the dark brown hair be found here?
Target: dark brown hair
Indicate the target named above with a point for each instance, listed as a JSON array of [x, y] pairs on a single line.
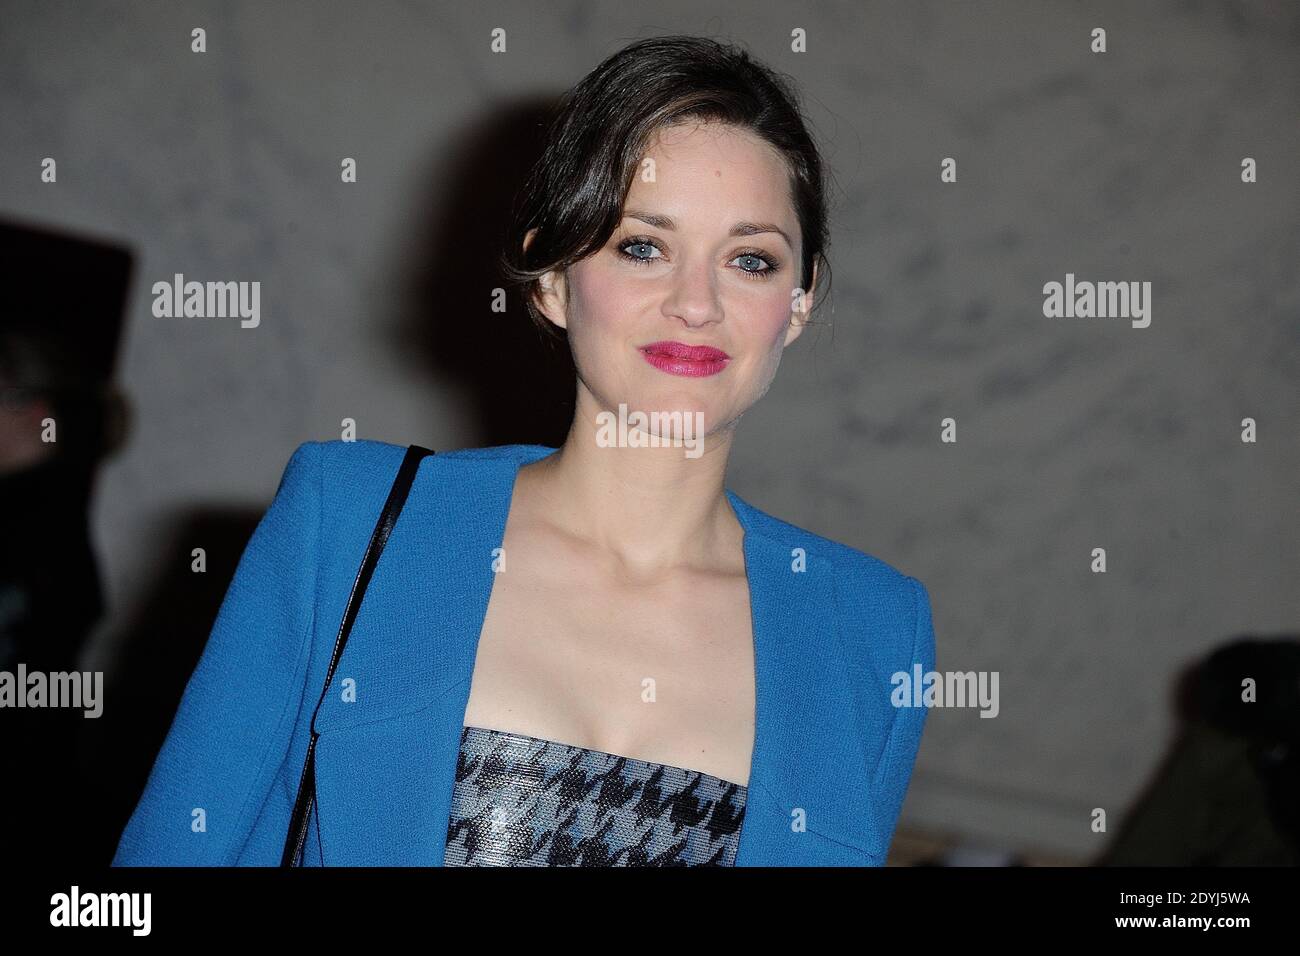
[[575, 193]]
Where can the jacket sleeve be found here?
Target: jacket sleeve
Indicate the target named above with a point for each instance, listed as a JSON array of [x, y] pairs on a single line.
[[232, 729], [895, 771]]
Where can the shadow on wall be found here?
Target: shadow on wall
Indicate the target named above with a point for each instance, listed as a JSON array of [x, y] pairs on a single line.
[[518, 384]]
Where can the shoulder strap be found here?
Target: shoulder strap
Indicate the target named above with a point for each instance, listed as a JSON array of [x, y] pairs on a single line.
[[297, 835]]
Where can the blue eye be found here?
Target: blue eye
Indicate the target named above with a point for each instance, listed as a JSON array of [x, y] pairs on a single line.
[[762, 272], [632, 244]]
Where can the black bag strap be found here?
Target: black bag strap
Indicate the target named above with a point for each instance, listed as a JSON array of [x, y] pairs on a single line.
[[296, 838]]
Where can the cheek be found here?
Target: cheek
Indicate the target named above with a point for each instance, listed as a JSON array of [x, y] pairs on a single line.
[[600, 298], [766, 331], [771, 320], [602, 317]]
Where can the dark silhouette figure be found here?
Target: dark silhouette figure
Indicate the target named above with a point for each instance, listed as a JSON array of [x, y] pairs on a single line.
[[59, 417], [1229, 792]]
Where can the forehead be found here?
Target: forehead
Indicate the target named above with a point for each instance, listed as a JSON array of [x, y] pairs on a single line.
[[709, 171]]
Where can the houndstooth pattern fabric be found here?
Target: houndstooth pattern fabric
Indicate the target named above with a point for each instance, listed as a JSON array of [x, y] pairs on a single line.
[[524, 801]]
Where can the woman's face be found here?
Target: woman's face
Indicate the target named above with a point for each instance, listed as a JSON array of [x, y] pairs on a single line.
[[706, 255]]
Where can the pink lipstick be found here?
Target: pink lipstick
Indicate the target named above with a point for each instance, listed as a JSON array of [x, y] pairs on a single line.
[[676, 358]]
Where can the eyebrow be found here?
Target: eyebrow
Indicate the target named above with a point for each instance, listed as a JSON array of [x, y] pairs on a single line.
[[739, 229]]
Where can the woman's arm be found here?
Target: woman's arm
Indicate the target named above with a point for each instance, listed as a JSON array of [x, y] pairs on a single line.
[[232, 730]]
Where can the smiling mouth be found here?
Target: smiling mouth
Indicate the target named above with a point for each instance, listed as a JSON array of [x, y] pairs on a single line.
[[692, 361]]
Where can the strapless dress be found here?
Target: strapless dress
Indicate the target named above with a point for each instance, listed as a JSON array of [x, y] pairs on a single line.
[[525, 801]]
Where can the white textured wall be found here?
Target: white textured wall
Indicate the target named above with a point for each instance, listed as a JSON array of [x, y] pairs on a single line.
[[1073, 433]]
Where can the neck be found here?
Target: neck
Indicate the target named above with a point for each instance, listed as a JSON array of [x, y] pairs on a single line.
[[652, 508]]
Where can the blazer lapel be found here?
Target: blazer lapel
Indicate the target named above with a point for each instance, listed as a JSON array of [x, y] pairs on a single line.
[[386, 760], [806, 802], [391, 723]]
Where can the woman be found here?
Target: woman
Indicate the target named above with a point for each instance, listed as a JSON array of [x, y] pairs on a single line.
[[591, 655]]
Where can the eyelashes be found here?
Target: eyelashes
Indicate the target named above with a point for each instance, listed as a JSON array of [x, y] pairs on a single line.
[[772, 263]]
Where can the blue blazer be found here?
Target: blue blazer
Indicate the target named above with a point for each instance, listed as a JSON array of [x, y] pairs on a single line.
[[832, 755]]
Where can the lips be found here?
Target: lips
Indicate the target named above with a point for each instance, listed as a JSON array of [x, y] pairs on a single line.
[[677, 358]]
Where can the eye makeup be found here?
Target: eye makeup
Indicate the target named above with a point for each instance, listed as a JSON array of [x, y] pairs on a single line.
[[772, 263]]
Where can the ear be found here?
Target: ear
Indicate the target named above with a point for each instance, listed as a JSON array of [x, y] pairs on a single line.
[[552, 294], [800, 308]]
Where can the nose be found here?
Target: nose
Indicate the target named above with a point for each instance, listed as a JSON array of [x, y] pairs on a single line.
[[693, 295]]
